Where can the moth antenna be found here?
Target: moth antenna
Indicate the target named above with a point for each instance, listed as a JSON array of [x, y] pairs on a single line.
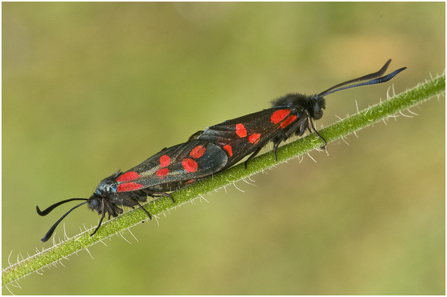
[[51, 231], [365, 77], [374, 78], [49, 209]]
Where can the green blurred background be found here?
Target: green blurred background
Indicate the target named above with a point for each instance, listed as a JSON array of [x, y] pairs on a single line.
[[89, 88]]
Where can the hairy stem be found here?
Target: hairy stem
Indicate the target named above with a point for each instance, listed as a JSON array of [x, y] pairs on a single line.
[[301, 146]]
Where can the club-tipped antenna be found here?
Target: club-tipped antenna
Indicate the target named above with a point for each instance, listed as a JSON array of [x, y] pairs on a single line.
[[47, 211], [374, 78]]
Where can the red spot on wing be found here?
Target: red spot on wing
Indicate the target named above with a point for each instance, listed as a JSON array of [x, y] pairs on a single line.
[[240, 130], [126, 187], [131, 175], [165, 160], [288, 121], [190, 165], [197, 152], [279, 115], [229, 149], [161, 173], [254, 138]]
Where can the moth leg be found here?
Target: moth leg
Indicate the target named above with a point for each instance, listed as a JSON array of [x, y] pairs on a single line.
[[165, 194], [155, 194], [139, 205], [275, 146], [254, 155], [100, 221], [311, 124]]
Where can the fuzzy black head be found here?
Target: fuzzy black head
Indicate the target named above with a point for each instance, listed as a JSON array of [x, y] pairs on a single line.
[[314, 104], [318, 104], [105, 203]]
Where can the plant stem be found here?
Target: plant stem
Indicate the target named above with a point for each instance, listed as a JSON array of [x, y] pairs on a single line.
[[301, 146]]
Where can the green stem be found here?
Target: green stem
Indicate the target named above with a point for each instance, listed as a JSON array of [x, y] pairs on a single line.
[[301, 146]]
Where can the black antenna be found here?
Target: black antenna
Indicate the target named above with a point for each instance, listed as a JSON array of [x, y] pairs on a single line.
[[374, 79], [49, 209]]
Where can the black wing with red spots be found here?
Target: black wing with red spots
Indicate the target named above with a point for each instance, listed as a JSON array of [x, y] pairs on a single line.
[[246, 135], [187, 161]]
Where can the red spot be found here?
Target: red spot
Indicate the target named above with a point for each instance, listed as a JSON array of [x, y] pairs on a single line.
[[229, 149], [240, 130], [165, 160], [162, 172], [197, 152], [131, 175], [190, 165], [129, 187], [279, 115], [288, 121], [254, 138]]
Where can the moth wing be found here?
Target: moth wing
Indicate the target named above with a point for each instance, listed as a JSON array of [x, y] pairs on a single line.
[[191, 160], [245, 135]]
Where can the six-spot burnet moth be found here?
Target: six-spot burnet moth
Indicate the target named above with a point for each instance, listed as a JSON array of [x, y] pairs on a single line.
[[170, 169], [210, 151], [290, 114]]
